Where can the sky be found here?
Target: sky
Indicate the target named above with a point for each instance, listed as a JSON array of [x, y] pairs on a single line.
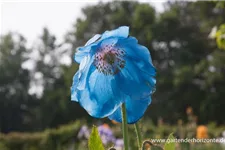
[[29, 17]]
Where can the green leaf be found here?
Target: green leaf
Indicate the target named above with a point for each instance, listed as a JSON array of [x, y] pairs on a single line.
[[95, 142], [220, 37], [170, 143]]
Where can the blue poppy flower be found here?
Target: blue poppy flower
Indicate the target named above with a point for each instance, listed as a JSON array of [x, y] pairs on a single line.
[[114, 69]]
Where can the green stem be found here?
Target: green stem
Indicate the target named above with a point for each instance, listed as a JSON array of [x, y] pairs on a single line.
[[124, 127], [138, 133]]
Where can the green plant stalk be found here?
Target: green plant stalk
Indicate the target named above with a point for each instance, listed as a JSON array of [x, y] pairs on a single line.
[[124, 127], [138, 133]]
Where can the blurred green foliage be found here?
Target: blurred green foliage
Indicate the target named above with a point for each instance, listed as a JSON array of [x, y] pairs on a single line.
[[65, 137], [51, 139], [190, 66]]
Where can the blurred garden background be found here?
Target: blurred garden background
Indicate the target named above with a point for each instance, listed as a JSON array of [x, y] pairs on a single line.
[[35, 78]]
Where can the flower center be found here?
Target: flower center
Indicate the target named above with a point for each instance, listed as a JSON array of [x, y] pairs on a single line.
[[109, 60]]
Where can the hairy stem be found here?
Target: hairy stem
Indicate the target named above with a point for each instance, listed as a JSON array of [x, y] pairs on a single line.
[[124, 127], [138, 133]]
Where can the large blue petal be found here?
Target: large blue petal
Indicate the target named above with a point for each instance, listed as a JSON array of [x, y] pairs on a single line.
[[101, 96], [148, 73], [89, 48], [134, 50], [84, 69], [122, 31], [79, 80], [81, 53], [93, 39], [73, 89], [135, 110], [139, 72], [134, 82]]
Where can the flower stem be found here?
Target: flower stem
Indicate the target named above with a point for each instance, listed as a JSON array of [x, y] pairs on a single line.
[[138, 133], [124, 127]]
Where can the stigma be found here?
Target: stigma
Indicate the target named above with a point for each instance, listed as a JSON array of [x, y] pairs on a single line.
[[109, 59]]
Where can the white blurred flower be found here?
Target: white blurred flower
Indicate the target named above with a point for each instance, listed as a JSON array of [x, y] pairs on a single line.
[[223, 134], [212, 34]]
